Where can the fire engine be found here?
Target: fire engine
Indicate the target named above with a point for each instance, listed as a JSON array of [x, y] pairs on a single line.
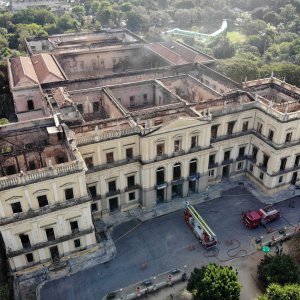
[[200, 228], [264, 215]]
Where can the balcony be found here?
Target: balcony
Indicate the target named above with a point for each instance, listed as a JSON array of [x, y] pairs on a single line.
[[132, 187], [58, 240], [177, 181], [113, 193], [195, 149], [44, 210], [114, 164], [178, 152], [227, 161], [161, 186], [161, 157], [212, 165], [242, 157]]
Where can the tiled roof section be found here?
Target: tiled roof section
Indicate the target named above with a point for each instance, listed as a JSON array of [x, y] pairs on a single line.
[[168, 54], [186, 53], [61, 97], [23, 72], [46, 68]]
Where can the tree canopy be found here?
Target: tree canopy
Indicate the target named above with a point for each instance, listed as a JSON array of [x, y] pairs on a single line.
[[214, 282], [278, 292]]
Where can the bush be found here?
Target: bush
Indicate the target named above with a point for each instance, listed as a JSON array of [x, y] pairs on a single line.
[[214, 282], [277, 269], [275, 291]]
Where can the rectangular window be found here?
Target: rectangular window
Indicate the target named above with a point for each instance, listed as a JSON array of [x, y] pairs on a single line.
[[29, 257], [31, 165], [130, 181], [11, 170], [240, 165], [131, 100], [42, 200], [230, 128], [214, 131], [241, 151], [30, 104], [16, 207], [297, 160], [112, 186], [25, 241], [259, 127], [160, 149], [89, 162], [80, 108], [265, 161], [145, 99], [74, 226], [96, 106], [194, 141], [69, 194], [177, 145], [129, 153], [271, 135], [280, 179], [211, 173], [283, 164], [77, 243], [245, 126], [93, 191], [251, 168], [109, 157], [94, 207], [261, 175], [212, 159], [288, 137], [254, 152], [227, 155], [131, 196], [50, 234]]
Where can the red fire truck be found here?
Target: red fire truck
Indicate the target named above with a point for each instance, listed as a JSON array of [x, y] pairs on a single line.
[[264, 215], [200, 228]]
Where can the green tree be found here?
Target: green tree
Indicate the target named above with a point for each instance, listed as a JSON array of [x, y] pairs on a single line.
[[277, 269], [278, 292], [43, 17], [136, 21], [4, 289], [214, 282], [65, 23], [78, 11]]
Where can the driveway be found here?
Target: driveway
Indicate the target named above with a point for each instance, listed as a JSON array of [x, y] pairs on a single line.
[[166, 242]]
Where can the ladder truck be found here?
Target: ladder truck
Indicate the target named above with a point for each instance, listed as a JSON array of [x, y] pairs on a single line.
[[200, 228]]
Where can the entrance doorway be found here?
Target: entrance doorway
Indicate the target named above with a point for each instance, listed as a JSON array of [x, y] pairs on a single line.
[[113, 204], [160, 195], [192, 186], [177, 190], [294, 178], [225, 172], [54, 252]]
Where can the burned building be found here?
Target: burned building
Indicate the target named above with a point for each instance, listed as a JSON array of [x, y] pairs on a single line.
[[125, 123]]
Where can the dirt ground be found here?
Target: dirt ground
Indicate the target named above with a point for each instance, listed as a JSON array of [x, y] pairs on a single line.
[[293, 248]]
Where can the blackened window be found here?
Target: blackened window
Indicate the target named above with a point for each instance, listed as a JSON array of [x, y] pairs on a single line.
[[69, 194], [160, 176], [297, 160], [241, 151], [254, 152], [283, 163], [214, 131], [212, 159], [77, 243], [50, 234], [227, 155], [74, 226], [259, 127], [177, 171], [245, 126], [80, 108], [10, 170], [160, 149], [42, 200], [30, 105], [25, 241], [130, 181], [96, 106], [230, 128], [288, 137], [271, 135], [94, 207], [93, 190], [131, 196], [16, 207], [177, 145], [31, 165], [265, 161], [194, 141], [132, 102], [89, 162], [193, 167], [145, 98], [112, 186], [29, 257]]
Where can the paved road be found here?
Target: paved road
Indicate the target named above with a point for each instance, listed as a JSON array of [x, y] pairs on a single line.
[[166, 242]]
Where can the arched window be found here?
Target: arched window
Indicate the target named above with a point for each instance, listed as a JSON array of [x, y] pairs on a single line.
[[193, 167], [177, 171], [160, 175]]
